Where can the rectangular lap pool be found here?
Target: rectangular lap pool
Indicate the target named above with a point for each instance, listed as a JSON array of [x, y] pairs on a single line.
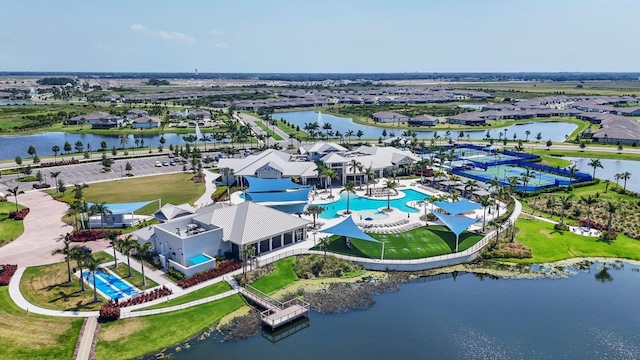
[[110, 285]]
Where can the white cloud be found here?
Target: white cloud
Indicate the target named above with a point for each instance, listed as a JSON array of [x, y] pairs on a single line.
[[216, 32], [221, 44], [166, 35]]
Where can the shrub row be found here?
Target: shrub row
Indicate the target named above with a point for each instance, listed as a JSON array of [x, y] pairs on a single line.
[[591, 224], [109, 312], [144, 297], [57, 163], [86, 235], [19, 215], [7, 274], [223, 267]]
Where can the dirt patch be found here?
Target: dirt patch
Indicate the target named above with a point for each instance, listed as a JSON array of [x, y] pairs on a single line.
[[122, 330]]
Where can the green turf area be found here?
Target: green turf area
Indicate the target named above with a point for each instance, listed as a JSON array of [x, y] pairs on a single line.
[[9, 229], [548, 244], [530, 89], [172, 188], [269, 132], [282, 276], [215, 289], [32, 336], [554, 161], [136, 277], [132, 338], [588, 154], [46, 286], [414, 244]]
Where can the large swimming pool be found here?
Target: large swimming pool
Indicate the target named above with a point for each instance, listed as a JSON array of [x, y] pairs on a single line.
[[359, 203]]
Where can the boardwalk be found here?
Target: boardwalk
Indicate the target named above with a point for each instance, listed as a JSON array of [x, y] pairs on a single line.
[[276, 313]]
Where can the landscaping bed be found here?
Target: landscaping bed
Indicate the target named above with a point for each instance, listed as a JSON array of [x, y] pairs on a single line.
[[223, 267]]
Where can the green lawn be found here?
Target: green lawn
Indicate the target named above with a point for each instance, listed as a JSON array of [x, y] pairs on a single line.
[[32, 336], [550, 245], [46, 286], [9, 229], [215, 289], [554, 161], [173, 188], [414, 244], [136, 277], [132, 338], [588, 154], [282, 276]]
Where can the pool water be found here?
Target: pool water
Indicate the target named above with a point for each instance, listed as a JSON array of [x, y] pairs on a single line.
[[110, 285], [358, 204], [199, 259]]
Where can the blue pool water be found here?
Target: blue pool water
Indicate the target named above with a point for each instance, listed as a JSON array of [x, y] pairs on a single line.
[[359, 203], [110, 285], [199, 259]]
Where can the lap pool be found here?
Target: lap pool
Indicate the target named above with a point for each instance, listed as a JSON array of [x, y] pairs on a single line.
[[110, 285], [359, 204]]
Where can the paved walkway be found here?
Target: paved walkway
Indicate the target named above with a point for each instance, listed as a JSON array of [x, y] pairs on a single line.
[[44, 232], [210, 188], [86, 338]]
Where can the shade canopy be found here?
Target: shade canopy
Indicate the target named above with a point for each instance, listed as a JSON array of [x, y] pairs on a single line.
[[349, 228], [124, 208], [459, 207], [457, 224], [301, 195], [265, 185]]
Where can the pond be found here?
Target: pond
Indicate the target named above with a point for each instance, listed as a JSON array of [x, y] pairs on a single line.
[[591, 315], [610, 168], [555, 131]]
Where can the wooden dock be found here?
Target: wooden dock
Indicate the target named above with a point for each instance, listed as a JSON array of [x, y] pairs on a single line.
[[276, 313]]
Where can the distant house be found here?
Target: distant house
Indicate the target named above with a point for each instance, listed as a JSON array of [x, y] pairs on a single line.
[[97, 120], [630, 111], [136, 113], [616, 129], [199, 114], [388, 116], [179, 115], [424, 120], [468, 118], [146, 122]]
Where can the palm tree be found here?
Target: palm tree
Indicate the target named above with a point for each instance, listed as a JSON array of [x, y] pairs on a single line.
[[66, 250], [617, 177], [324, 243], [15, 191], [369, 175], [470, 186], [611, 209], [526, 175], [112, 236], [485, 201], [354, 165], [606, 185], [247, 253], [142, 249], [349, 187], [93, 267], [79, 254], [565, 204], [77, 190], [527, 133], [391, 185], [314, 211], [55, 174], [595, 163], [625, 176], [589, 200], [127, 245], [102, 210], [349, 134]]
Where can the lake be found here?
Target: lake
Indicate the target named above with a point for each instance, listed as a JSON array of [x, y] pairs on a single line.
[[610, 168], [12, 146], [591, 315], [555, 131]]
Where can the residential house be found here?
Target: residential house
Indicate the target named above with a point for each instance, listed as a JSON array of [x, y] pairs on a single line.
[[388, 116], [97, 120], [145, 122], [424, 120], [469, 118], [136, 113]]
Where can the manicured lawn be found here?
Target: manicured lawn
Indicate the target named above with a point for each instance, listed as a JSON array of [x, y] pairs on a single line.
[[136, 277], [588, 154], [215, 289], [554, 161], [31, 336], [173, 188], [282, 276], [46, 286], [131, 338], [550, 245], [9, 229], [414, 244]]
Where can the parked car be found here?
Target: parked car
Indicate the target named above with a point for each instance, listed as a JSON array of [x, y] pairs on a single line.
[[171, 156], [158, 164], [165, 163], [172, 163]]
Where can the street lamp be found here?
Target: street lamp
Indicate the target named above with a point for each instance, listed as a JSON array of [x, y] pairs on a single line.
[[314, 237]]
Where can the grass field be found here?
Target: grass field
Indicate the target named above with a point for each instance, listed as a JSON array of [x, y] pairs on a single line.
[[132, 338], [9, 229], [588, 154], [46, 286], [269, 132], [215, 289], [172, 188], [536, 89], [31, 336], [283, 275], [414, 244], [136, 277], [548, 244]]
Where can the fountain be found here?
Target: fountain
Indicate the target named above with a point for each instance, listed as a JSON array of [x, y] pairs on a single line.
[[320, 118]]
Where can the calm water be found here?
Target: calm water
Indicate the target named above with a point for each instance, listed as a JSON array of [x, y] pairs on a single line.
[[550, 131], [12, 146], [593, 315], [361, 203], [610, 168]]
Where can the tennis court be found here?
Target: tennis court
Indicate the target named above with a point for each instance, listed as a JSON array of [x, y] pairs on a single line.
[[540, 180]]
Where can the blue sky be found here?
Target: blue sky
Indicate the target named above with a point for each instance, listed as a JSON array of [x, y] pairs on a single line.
[[319, 36]]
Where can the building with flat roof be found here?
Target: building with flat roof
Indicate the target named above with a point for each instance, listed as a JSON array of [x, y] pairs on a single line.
[[388, 116]]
